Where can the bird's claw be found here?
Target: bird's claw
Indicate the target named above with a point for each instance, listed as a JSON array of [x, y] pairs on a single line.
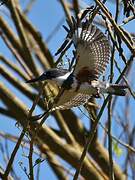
[[97, 95], [38, 117]]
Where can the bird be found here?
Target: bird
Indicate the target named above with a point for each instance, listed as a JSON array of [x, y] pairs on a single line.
[[92, 54]]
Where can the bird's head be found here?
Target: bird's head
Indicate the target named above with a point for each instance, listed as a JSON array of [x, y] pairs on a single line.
[[52, 75]]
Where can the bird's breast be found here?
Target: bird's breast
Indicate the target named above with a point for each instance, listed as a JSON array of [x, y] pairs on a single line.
[[69, 83], [73, 85]]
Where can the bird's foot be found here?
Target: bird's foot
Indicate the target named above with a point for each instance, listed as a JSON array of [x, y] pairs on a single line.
[[97, 95], [38, 117]]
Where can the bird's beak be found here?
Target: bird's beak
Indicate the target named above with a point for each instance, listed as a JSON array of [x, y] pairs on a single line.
[[40, 78]]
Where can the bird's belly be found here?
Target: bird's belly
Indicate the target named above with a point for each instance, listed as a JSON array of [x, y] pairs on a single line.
[[86, 88]]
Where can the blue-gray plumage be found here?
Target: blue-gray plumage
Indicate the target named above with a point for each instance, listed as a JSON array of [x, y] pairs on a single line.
[[50, 74]]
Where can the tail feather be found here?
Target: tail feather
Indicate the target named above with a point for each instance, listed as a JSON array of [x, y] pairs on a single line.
[[116, 89]]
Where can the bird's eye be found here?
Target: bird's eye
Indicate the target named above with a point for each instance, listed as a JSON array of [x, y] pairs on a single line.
[[47, 74]]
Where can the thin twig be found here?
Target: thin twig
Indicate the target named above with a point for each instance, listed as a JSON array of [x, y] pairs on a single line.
[[89, 140], [22, 135], [38, 38], [111, 172], [116, 27], [16, 54], [31, 173], [76, 8], [12, 5], [14, 67], [29, 6], [113, 137], [10, 162], [91, 135], [130, 18], [66, 10]]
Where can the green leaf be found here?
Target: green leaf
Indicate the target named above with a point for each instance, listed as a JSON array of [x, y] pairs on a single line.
[[117, 150]]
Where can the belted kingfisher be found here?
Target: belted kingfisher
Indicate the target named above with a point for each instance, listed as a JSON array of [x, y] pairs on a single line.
[[92, 52]]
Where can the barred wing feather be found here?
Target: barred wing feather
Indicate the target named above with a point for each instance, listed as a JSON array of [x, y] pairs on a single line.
[[69, 99], [92, 49]]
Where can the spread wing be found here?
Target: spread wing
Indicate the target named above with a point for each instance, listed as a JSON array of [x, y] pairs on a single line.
[[92, 49], [68, 99]]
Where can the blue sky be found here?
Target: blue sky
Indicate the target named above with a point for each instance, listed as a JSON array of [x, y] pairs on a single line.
[[44, 16]]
